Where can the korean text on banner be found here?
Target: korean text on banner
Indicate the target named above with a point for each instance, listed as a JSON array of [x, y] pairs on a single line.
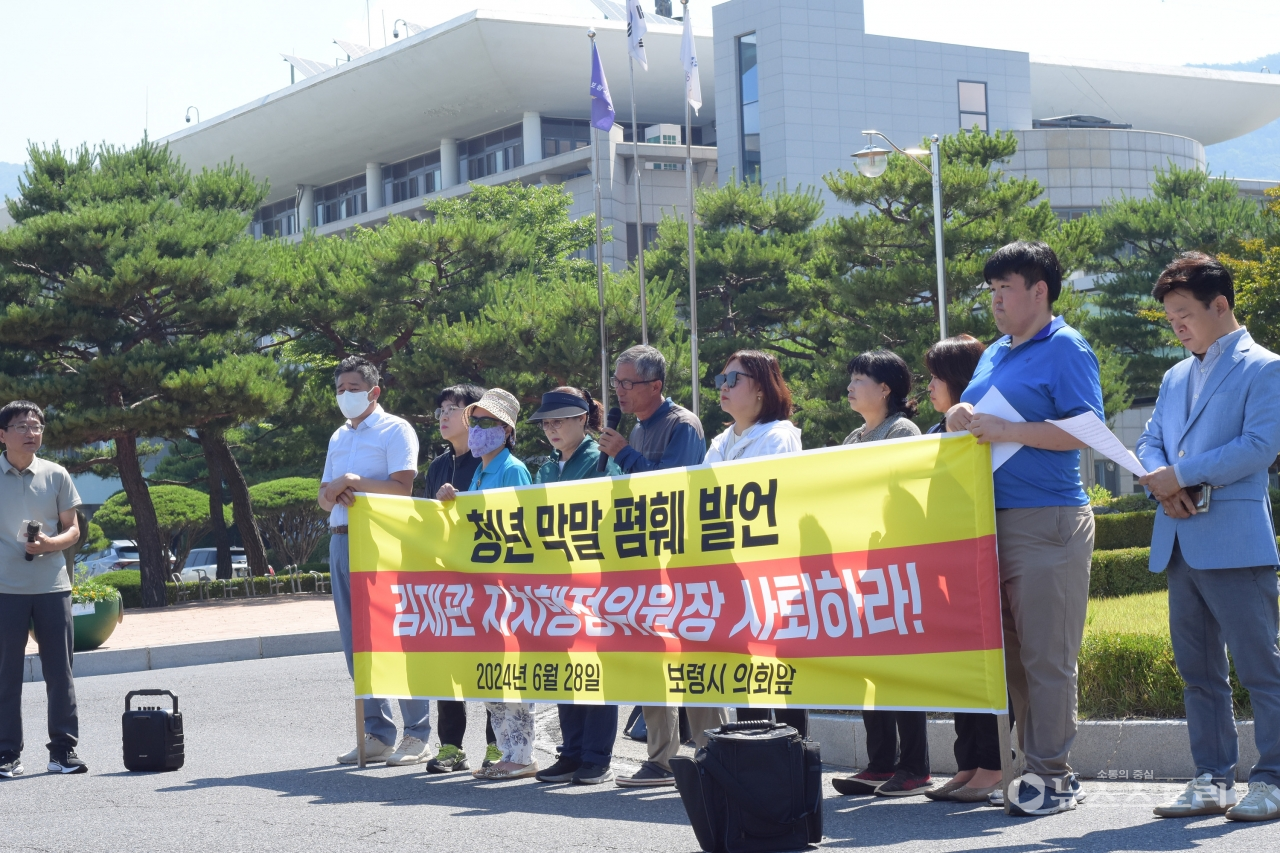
[[851, 577]]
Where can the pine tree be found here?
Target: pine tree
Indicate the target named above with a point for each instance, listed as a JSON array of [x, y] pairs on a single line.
[[126, 281], [1188, 210]]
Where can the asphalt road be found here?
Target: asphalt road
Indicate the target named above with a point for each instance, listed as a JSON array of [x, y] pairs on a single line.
[[260, 775]]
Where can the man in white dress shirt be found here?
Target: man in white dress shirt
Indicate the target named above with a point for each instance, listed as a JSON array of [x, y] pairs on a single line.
[[372, 452]]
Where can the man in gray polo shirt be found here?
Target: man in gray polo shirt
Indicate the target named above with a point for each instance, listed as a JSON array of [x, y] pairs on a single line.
[[37, 500]]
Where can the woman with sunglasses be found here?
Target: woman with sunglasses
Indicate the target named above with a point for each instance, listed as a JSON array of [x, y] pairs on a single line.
[[588, 731], [897, 741], [754, 394], [491, 436]]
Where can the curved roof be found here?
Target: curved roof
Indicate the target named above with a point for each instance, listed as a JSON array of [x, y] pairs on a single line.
[[471, 75], [1207, 105]]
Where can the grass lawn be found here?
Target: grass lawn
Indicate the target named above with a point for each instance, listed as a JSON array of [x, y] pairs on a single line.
[[1147, 613]]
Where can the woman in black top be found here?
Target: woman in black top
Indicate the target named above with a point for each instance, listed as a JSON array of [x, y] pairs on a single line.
[[455, 465], [951, 363]]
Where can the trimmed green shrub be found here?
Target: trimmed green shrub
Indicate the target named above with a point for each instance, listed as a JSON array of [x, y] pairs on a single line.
[[1123, 530], [287, 512], [129, 583], [1126, 662], [1123, 572]]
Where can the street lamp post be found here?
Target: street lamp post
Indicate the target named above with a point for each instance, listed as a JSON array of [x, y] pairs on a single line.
[[872, 162]]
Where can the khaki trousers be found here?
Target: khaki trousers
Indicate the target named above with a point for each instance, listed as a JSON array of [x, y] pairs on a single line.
[[664, 729], [1045, 555]]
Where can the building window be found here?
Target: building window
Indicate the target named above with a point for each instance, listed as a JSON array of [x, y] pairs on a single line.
[[749, 99], [650, 237], [973, 105], [341, 200], [494, 152], [276, 220], [417, 176], [562, 134]]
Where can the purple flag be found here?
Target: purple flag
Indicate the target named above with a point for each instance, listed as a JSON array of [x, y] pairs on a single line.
[[601, 103]]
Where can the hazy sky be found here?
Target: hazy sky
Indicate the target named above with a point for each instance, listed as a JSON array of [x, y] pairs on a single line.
[[93, 70]]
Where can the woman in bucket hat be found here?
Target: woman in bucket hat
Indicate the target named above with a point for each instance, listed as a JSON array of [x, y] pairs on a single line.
[[491, 436]]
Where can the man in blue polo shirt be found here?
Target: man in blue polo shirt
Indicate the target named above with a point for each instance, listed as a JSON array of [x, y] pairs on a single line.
[[1044, 526]]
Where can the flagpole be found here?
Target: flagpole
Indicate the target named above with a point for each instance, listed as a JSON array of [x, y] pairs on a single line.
[[693, 258], [635, 156], [595, 173]]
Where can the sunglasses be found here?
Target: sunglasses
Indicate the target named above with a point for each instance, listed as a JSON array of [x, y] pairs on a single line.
[[730, 379], [486, 423]]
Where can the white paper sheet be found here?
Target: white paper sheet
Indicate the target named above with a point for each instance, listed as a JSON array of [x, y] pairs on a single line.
[[1093, 432], [994, 403]]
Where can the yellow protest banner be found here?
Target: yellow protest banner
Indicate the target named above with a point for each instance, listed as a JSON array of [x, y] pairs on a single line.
[[851, 577]]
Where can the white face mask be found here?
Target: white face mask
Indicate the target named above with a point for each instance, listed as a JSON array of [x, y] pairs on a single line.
[[353, 403]]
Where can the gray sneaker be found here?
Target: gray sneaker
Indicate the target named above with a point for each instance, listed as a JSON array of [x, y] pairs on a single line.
[[649, 775], [375, 752], [448, 759]]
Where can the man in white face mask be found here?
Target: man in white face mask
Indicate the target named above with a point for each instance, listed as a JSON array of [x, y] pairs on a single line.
[[372, 452]]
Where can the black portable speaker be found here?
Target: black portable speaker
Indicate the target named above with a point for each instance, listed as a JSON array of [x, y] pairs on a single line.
[[152, 735], [756, 787]]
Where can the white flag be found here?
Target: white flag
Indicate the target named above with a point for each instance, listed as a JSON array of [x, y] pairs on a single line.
[[636, 28], [689, 59]]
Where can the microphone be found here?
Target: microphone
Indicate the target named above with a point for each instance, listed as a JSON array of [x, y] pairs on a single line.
[[33, 530], [615, 418]]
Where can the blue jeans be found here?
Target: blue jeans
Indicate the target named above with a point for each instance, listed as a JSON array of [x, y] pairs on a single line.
[[588, 732], [1212, 611], [377, 712]]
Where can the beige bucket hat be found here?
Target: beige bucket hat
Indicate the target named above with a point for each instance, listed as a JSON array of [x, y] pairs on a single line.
[[501, 404]]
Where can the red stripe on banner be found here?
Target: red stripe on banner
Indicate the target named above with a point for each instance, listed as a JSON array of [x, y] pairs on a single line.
[[862, 603], [913, 600]]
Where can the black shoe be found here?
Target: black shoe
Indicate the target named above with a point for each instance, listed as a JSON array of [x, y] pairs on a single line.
[[593, 774], [862, 784], [561, 771], [66, 761], [11, 765]]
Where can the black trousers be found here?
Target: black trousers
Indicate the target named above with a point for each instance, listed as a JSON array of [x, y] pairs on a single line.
[[51, 613], [797, 718], [451, 717], [977, 742], [897, 741]]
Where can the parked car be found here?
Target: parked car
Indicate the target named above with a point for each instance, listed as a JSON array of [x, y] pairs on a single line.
[[206, 559], [120, 554]]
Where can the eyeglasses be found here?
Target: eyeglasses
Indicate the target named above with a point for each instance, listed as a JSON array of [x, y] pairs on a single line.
[[628, 384], [730, 378], [486, 423], [24, 429], [554, 423], [447, 410]]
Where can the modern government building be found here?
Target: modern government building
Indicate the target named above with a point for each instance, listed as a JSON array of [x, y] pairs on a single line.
[[788, 86]]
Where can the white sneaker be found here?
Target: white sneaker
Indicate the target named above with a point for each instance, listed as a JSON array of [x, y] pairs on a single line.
[[1202, 796], [410, 751], [375, 751], [1261, 803]]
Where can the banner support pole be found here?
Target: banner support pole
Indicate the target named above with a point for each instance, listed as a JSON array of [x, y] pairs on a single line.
[[360, 733], [1006, 758]]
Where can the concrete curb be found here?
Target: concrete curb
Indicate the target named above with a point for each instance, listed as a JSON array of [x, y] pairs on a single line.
[[1136, 748], [1102, 748], [115, 661]]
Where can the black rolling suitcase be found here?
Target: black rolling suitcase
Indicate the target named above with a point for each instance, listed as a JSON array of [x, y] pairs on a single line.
[[756, 787], [152, 735]]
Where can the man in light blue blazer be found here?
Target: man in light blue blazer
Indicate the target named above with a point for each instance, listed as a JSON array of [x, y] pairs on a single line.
[[1214, 433]]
